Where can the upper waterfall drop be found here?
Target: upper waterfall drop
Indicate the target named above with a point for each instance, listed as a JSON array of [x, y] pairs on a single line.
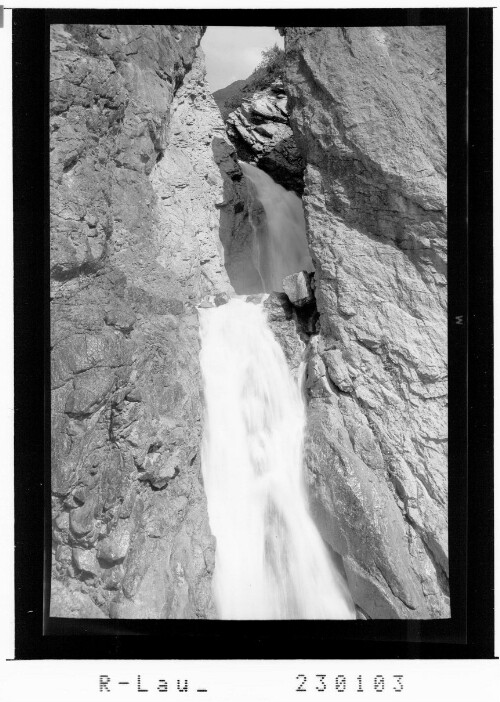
[[271, 562], [283, 248]]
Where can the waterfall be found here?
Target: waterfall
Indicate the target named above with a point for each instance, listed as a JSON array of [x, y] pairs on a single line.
[[271, 562], [282, 249]]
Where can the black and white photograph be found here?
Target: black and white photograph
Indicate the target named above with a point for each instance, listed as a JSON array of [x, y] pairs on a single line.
[[249, 302], [248, 322]]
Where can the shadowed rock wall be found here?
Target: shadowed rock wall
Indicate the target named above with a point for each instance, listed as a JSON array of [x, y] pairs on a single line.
[[367, 108], [240, 216], [134, 246]]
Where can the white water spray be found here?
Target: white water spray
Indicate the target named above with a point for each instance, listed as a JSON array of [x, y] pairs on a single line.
[[284, 248], [271, 562]]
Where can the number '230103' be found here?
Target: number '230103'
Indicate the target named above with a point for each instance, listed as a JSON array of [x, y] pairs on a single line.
[[320, 683]]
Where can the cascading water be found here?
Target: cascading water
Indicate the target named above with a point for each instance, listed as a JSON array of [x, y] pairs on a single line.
[[271, 562], [283, 250]]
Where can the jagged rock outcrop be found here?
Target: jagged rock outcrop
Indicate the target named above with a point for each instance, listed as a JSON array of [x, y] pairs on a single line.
[[367, 108], [134, 237], [260, 130]]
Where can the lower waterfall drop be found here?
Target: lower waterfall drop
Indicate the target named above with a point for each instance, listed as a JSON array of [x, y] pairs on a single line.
[[271, 562]]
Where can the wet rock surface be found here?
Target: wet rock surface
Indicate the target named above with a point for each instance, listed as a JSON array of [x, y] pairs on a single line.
[[134, 247], [282, 319], [367, 108], [240, 216]]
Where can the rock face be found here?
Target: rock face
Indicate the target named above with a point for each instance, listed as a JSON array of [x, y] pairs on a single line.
[[240, 216], [134, 234], [282, 319], [367, 108], [260, 130]]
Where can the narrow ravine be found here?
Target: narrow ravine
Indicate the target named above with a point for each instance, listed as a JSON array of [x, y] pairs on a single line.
[[158, 211], [271, 562]]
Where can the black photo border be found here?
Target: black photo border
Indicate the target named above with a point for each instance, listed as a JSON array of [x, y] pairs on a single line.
[[469, 631]]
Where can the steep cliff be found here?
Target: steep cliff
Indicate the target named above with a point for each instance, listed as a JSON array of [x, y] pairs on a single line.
[[134, 247], [367, 108]]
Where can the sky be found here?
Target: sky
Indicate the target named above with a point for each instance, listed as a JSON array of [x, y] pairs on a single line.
[[232, 53]]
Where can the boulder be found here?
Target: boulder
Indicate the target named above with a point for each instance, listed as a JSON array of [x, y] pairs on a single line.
[[86, 561], [297, 287], [221, 299], [113, 548]]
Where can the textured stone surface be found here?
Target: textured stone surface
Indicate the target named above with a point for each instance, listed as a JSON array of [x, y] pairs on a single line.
[[298, 288], [260, 130], [240, 214], [282, 319], [367, 107], [134, 247], [114, 548], [69, 601]]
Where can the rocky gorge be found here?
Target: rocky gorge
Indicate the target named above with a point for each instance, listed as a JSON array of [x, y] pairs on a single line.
[[151, 217]]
